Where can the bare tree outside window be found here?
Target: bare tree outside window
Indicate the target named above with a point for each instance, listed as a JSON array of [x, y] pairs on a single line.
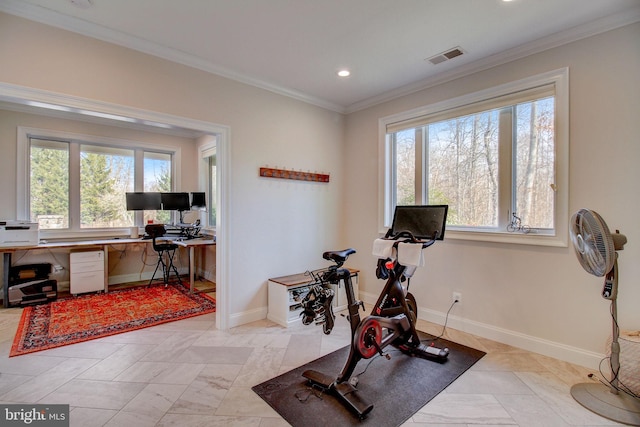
[[535, 172], [463, 168], [406, 167]]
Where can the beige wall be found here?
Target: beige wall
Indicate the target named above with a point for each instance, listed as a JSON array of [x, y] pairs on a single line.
[[537, 297], [276, 227], [11, 120], [125, 262]]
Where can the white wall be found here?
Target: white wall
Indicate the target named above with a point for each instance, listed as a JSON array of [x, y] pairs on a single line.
[[535, 297], [276, 227]]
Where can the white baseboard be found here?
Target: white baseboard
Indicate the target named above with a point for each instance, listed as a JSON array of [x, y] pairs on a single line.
[[207, 275], [128, 278], [238, 319], [531, 343], [63, 285], [137, 277]]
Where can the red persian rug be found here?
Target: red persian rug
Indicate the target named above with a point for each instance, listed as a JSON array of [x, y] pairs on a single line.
[[85, 317]]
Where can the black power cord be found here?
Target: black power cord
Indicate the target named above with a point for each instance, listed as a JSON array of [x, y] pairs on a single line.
[[609, 383], [446, 320]]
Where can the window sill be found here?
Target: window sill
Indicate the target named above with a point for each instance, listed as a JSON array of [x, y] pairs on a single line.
[[55, 235], [506, 237]]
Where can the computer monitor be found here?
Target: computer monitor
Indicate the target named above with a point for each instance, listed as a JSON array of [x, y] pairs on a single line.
[[198, 201], [423, 221], [175, 201], [143, 201]]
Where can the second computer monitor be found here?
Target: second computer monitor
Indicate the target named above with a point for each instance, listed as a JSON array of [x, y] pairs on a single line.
[[198, 201], [143, 201], [175, 201]]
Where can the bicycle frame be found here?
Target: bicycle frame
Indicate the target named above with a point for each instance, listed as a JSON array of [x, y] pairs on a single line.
[[391, 322]]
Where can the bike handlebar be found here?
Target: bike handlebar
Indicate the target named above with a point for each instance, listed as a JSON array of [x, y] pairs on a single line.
[[339, 257], [410, 238]]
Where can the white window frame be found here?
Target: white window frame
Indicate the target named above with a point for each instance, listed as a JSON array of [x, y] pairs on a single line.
[[207, 150], [74, 231], [560, 80]]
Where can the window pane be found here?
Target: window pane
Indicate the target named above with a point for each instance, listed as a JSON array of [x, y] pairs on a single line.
[[405, 167], [157, 177], [212, 191], [535, 174], [106, 174], [49, 184], [463, 168]]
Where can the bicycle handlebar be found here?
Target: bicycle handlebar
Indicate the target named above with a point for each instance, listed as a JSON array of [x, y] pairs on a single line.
[[339, 257], [410, 238]]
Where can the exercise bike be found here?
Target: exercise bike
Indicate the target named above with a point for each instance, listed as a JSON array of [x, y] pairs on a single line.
[[392, 320]]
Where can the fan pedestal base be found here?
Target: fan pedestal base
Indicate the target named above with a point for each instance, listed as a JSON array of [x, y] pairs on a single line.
[[617, 407]]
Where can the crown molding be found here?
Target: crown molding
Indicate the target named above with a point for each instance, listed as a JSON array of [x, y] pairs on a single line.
[[52, 18], [21, 99], [76, 25], [593, 28]]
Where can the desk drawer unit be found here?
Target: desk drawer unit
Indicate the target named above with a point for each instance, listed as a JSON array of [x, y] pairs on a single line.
[[86, 272]]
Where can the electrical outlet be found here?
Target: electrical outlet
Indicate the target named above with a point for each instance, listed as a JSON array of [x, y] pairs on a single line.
[[457, 297]]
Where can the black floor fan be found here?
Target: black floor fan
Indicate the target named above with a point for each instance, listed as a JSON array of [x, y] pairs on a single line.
[[596, 248]]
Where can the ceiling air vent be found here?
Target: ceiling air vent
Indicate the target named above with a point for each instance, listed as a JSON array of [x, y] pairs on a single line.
[[445, 56]]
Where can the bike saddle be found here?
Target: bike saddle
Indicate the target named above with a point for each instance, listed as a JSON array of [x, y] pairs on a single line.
[[339, 257]]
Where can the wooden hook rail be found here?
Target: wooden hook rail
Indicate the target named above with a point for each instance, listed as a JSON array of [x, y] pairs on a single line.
[[291, 174]]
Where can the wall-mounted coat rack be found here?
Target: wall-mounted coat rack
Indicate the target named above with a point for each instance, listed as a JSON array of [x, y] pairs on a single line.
[[291, 174]]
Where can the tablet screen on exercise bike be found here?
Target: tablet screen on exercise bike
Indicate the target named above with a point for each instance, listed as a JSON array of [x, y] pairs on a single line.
[[422, 221]]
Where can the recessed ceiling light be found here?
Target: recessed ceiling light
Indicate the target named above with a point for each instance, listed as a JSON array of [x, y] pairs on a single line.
[[344, 73]]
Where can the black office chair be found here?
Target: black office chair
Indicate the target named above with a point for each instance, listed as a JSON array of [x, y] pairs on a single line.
[[165, 250]]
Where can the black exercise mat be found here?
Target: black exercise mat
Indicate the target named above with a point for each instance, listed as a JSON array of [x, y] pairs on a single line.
[[398, 388]]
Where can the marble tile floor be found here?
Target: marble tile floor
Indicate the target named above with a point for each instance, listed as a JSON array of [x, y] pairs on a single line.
[[188, 373]]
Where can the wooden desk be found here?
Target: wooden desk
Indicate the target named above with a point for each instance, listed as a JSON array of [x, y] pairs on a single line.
[[191, 244], [104, 244]]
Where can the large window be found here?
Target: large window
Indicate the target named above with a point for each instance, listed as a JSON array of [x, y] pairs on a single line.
[[106, 173], [157, 178], [75, 184], [209, 179], [213, 186], [49, 183], [497, 158]]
